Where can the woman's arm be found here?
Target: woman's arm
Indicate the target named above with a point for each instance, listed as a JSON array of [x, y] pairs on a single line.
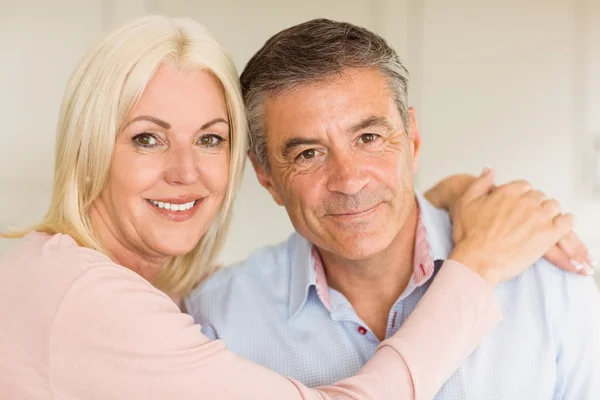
[[569, 254], [116, 336]]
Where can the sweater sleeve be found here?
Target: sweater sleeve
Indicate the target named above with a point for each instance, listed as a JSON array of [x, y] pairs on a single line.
[[116, 336]]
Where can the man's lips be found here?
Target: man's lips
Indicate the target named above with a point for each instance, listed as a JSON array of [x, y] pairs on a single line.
[[352, 213]]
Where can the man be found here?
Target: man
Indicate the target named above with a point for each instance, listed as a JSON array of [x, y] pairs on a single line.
[[334, 141]]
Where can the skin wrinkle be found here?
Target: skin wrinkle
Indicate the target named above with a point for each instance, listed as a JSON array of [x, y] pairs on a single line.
[[364, 199], [256, 112]]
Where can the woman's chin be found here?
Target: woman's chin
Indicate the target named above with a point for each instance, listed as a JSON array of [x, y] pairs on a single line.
[[175, 246]]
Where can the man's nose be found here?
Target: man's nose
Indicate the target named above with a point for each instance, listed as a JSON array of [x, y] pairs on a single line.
[[346, 175]]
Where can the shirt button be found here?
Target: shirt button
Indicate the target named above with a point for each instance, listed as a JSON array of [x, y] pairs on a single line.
[[362, 330]]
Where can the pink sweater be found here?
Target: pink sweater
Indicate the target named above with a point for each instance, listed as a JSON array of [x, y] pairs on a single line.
[[75, 325]]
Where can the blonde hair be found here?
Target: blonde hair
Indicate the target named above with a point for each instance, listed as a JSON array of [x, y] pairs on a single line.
[[101, 92]]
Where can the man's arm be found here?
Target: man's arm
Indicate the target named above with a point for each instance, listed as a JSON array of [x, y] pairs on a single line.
[[578, 353]]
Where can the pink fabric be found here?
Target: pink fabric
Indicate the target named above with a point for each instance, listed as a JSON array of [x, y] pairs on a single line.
[[75, 325], [423, 261], [423, 265], [321, 279]]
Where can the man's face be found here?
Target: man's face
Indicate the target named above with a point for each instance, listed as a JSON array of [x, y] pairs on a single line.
[[341, 162]]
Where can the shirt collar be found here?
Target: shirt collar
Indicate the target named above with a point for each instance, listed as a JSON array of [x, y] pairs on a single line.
[[439, 229], [302, 275], [439, 237]]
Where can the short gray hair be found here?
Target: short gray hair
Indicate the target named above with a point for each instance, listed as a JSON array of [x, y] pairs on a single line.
[[311, 52]]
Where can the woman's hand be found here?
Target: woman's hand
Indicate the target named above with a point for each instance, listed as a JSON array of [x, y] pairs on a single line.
[[569, 253]]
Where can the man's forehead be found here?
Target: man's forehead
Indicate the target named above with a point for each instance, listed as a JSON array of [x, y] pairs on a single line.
[[341, 103]]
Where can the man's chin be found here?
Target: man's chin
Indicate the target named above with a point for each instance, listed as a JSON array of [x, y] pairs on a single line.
[[361, 248]]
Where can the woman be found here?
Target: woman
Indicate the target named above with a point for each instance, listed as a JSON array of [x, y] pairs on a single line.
[[150, 150]]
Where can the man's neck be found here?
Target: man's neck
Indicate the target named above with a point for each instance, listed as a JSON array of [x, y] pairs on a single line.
[[373, 285]]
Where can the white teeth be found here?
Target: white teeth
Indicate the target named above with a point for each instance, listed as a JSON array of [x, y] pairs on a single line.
[[173, 207]]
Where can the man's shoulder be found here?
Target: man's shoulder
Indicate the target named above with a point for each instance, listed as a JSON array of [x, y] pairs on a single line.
[[264, 270], [266, 263], [549, 275], [556, 291]]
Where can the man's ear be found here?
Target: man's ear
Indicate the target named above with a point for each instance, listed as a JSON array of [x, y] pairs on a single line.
[[264, 178], [414, 135]]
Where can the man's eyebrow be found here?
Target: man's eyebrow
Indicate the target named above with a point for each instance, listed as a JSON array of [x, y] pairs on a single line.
[[292, 143], [371, 122]]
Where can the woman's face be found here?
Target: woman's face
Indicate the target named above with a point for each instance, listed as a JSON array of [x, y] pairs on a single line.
[[170, 167]]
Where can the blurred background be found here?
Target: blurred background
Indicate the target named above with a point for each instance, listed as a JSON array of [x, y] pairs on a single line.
[[506, 83]]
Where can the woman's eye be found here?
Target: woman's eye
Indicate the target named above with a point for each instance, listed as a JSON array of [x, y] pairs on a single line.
[[211, 140], [367, 137], [145, 140], [308, 154]]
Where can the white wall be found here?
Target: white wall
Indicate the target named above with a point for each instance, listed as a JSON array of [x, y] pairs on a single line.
[[509, 83], [587, 81], [40, 43], [514, 84]]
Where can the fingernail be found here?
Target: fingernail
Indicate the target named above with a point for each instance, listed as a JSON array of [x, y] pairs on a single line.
[[589, 271], [486, 169], [578, 266]]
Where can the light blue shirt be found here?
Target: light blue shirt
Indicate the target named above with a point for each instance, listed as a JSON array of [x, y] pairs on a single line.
[[267, 310]]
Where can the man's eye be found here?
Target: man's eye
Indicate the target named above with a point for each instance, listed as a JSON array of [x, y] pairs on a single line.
[[145, 140], [367, 137], [308, 154]]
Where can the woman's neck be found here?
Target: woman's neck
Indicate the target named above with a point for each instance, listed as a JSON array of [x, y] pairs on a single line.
[[124, 252]]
